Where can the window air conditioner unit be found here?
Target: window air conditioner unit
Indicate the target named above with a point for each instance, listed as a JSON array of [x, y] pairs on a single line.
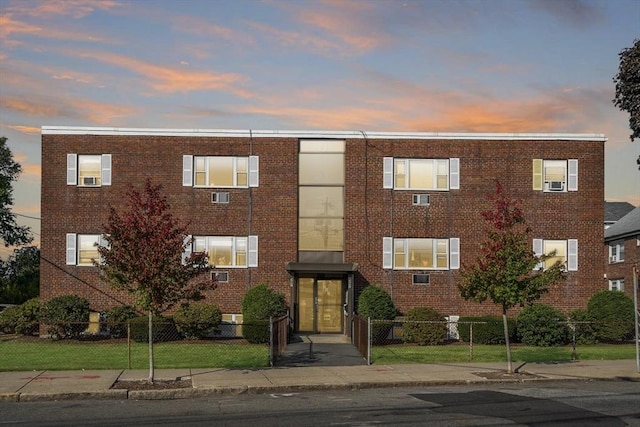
[[556, 185], [613, 259], [220, 276], [89, 180], [420, 279], [219, 197], [421, 199]]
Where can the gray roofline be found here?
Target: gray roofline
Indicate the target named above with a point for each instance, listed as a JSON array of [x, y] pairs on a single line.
[[240, 133]]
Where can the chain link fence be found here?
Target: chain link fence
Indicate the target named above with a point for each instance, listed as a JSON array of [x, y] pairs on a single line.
[[400, 340]]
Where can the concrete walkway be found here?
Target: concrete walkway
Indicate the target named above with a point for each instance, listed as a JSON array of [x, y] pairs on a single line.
[[320, 350], [69, 385]]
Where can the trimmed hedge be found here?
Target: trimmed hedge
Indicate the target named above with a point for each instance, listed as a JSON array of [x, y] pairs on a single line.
[[196, 320], [258, 305], [163, 329], [613, 312], [542, 325], [489, 332], [117, 319], [66, 316], [376, 303], [582, 325], [424, 333]]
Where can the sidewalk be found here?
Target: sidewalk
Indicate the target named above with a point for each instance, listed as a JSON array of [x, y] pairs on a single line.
[[70, 385]]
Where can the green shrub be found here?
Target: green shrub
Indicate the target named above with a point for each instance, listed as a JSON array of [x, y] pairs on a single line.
[[582, 324], [28, 318], [613, 313], [488, 330], [196, 320], [117, 319], [8, 318], [66, 316], [259, 304], [542, 325], [424, 333], [163, 329], [376, 303]]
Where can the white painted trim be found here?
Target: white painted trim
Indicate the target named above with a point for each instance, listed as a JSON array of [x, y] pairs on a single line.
[[242, 133]]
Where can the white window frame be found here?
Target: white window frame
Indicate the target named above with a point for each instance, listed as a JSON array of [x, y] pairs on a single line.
[[73, 248], [202, 243], [616, 285], [73, 170], [570, 250], [389, 245], [616, 252], [541, 181], [189, 171], [389, 173]]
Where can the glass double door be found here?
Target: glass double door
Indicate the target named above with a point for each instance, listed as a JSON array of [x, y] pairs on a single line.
[[320, 305]]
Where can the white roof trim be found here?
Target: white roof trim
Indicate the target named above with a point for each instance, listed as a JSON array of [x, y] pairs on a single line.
[[71, 130]]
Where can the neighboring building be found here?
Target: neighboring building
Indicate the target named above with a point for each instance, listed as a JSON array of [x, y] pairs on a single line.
[[622, 250], [320, 215], [613, 211]]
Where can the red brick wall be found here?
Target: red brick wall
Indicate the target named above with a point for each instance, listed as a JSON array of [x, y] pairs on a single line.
[[624, 269], [371, 212]]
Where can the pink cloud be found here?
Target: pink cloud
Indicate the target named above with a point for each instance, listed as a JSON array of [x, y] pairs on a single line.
[[76, 8]]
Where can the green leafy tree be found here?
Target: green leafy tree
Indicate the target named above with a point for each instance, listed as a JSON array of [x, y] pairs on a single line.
[[143, 255], [20, 276], [628, 87], [505, 272], [11, 233]]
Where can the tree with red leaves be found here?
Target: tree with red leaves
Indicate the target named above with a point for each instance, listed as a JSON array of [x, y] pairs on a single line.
[[506, 271], [143, 256]]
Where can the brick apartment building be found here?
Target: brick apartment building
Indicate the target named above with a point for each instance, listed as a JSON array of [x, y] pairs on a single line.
[[622, 250], [319, 215]]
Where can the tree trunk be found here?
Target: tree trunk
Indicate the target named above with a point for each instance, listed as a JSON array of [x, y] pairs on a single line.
[[150, 333], [506, 340]]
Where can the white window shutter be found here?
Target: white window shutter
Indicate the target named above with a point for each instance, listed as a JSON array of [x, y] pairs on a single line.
[[72, 169], [253, 252], [454, 253], [537, 174], [572, 184], [387, 164], [71, 249], [537, 251], [186, 249], [106, 169], [572, 258], [454, 174], [102, 242], [187, 170], [387, 252], [254, 177]]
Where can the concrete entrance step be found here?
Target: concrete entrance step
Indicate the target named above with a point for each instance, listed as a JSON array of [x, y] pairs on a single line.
[[320, 350], [324, 338]]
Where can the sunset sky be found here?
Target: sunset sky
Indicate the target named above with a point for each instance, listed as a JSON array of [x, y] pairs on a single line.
[[374, 65]]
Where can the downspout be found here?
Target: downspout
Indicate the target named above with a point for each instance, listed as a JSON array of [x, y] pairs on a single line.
[[249, 209]]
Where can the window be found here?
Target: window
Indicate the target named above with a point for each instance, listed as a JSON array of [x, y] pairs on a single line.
[[220, 276], [421, 174], [564, 251], [555, 175], [82, 249], [421, 254], [218, 171], [89, 170], [616, 251], [227, 251], [616, 285], [220, 197], [420, 279]]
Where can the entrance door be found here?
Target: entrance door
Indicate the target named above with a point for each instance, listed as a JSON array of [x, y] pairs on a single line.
[[320, 305]]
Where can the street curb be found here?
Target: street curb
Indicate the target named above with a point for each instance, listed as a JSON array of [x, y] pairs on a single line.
[[90, 395]]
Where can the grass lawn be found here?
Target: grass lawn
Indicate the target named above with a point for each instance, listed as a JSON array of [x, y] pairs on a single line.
[[26, 354], [497, 353]]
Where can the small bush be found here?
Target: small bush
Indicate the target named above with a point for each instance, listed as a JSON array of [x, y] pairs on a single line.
[[8, 318], [163, 329], [613, 313], [196, 320], [542, 325], [581, 323], [490, 331], [424, 333], [117, 319], [376, 303], [66, 316], [259, 304]]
